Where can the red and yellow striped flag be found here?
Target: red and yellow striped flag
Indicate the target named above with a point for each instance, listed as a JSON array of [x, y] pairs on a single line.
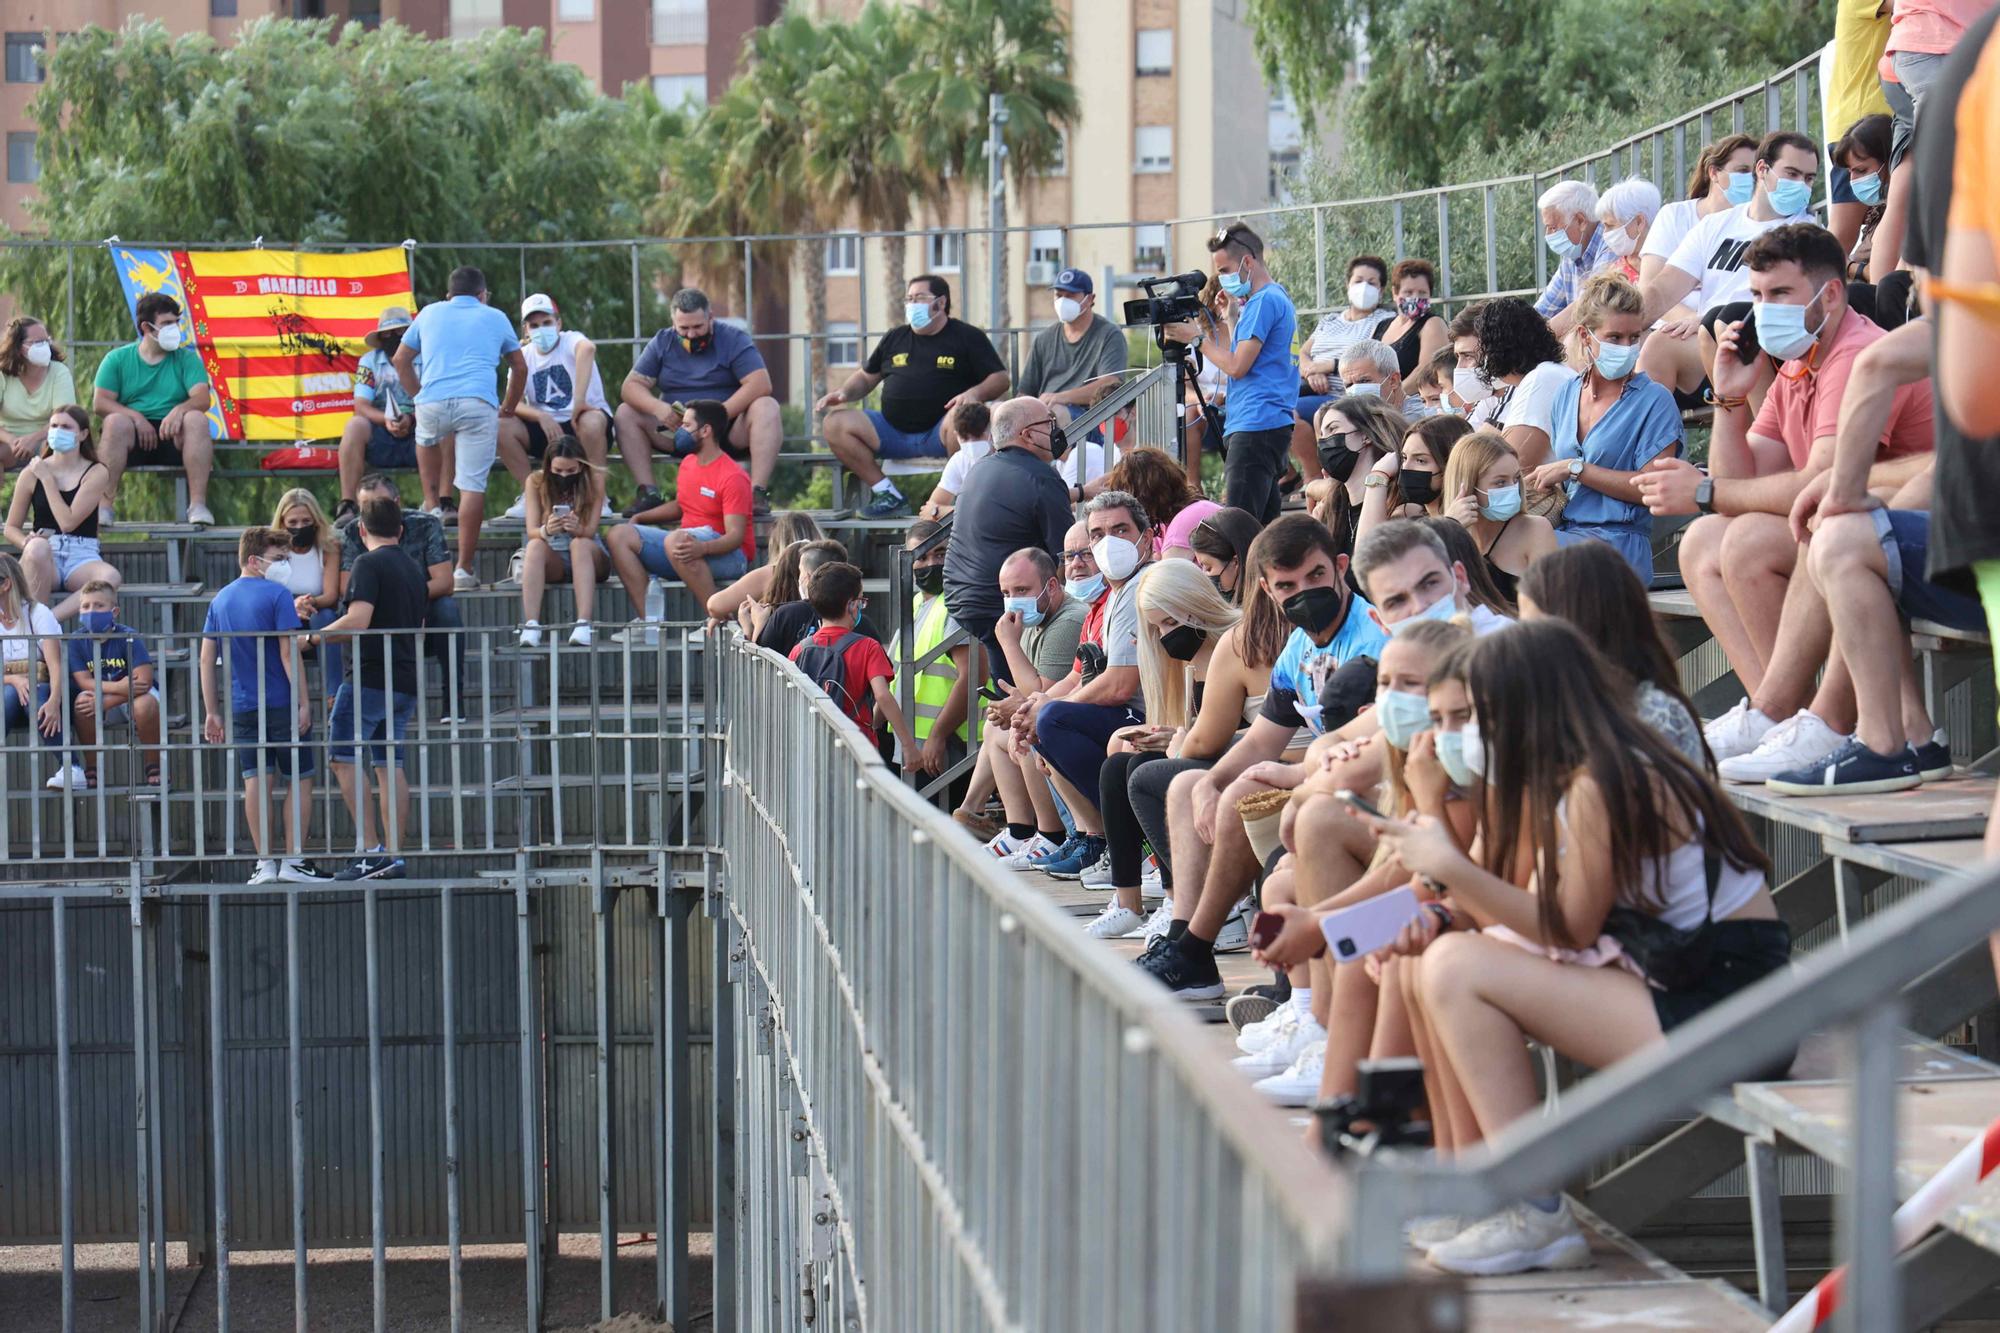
[[280, 332]]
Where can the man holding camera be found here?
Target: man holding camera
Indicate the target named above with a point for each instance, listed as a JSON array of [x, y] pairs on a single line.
[[1257, 357]]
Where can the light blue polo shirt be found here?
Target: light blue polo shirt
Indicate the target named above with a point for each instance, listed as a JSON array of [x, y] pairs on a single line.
[[1303, 667], [1266, 396], [462, 340]]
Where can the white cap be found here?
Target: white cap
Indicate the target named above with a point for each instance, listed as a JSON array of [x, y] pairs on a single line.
[[538, 302]]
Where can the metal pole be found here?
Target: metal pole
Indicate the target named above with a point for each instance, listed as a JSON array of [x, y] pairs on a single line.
[[530, 1036], [722, 1155], [996, 199], [454, 1223], [378, 1258], [605, 899], [65, 1148], [1865, 1226], [294, 1059], [218, 1078]]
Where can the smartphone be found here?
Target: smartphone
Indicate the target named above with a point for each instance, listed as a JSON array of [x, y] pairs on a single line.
[[559, 511], [1264, 928], [1355, 800], [1354, 932]]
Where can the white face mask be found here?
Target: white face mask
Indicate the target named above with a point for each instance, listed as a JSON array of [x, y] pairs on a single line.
[[1068, 308], [1363, 295], [41, 353], [278, 571], [1465, 382], [1619, 241], [168, 336], [1116, 557]]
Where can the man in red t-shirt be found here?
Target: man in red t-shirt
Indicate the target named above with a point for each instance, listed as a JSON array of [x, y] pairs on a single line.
[[713, 541], [867, 672]]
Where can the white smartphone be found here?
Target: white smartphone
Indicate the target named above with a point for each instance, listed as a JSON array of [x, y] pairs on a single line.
[[1354, 932], [559, 511]]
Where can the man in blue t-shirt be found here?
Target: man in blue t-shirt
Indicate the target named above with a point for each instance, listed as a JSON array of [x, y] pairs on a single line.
[[1257, 357], [270, 721], [698, 358]]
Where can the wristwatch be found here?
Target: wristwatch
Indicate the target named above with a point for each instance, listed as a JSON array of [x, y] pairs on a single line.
[[1575, 469], [1704, 495], [1374, 479]]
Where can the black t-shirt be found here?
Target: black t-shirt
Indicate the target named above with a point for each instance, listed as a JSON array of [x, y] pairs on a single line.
[[792, 622], [921, 372], [1965, 527], [1012, 500], [395, 585]]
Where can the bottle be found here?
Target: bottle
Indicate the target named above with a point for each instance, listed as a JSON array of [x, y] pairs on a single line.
[[656, 609]]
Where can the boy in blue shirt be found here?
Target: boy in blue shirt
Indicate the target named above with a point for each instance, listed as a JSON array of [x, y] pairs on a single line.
[[111, 675], [270, 715]]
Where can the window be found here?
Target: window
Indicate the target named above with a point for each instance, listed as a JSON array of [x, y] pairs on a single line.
[[576, 11], [1149, 248], [1154, 145], [843, 343], [1156, 50], [471, 17], [1045, 246], [680, 22], [222, 9], [674, 89], [944, 251], [24, 57], [843, 253], [368, 13], [22, 169], [1060, 166], [1284, 167]]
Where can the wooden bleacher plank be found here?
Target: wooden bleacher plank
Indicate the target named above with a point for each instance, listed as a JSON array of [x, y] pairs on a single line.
[[1954, 808], [1934, 1119], [1674, 603], [1922, 630], [1913, 860], [1822, 1057]]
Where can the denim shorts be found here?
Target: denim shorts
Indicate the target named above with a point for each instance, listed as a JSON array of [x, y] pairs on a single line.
[[72, 553], [276, 753], [384, 715], [893, 443], [475, 424], [1905, 535], [386, 450], [653, 554]]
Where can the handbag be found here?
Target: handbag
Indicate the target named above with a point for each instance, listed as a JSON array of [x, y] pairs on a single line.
[[1672, 959]]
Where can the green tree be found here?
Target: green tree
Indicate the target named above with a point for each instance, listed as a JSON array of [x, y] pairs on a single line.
[[971, 49]]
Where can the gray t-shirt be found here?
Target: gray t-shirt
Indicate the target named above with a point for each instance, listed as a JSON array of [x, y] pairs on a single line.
[[1051, 645], [1121, 624], [1057, 365]]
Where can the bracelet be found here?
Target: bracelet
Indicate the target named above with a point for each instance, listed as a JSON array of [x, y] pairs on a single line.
[[1725, 404], [1443, 914]]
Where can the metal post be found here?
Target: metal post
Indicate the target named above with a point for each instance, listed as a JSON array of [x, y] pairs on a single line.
[[143, 1118], [722, 1154], [378, 1256], [674, 1162], [1492, 246], [294, 1059], [604, 898], [1865, 1230], [454, 1222], [1767, 1223], [531, 1152], [1319, 259], [996, 198], [65, 1146], [218, 1078]]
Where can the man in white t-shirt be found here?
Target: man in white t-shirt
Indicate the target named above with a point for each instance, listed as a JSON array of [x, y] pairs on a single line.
[[1706, 269], [565, 395]]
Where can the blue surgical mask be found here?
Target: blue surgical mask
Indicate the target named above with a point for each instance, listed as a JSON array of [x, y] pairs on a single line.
[[1234, 284], [1364, 390], [1559, 243], [545, 338], [1028, 608], [1502, 503], [1451, 753], [918, 313], [1402, 716], [97, 622], [1086, 590], [1790, 197], [62, 439], [1781, 329], [1742, 184], [1868, 189], [1615, 362], [1444, 608]]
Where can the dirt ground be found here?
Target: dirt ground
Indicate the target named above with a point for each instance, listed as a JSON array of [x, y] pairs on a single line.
[[338, 1292]]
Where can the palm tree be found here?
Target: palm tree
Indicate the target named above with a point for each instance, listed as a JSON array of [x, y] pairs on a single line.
[[970, 49]]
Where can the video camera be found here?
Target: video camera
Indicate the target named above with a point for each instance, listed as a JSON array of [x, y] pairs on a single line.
[[1168, 300]]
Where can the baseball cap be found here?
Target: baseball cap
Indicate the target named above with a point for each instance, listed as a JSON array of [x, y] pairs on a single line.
[[1074, 280], [538, 302]]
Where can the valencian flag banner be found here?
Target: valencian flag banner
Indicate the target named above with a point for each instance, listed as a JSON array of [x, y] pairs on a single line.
[[279, 331]]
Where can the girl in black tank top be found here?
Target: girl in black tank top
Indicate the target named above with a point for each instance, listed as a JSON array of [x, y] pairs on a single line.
[[53, 517]]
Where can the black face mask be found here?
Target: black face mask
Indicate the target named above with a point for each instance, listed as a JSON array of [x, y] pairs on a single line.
[[699, 343], [1419, 487], [1337, 460], [1229, 593], [391, 341], [302, 538], [1058, 443], [564, 485], [1315, 610], [1183, 641], [930, 580]]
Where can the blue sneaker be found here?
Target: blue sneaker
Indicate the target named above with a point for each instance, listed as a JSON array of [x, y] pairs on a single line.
[[886, 504], [374, 866], [1047, 859], [1934, 758], [1852, 770], [1077, 855]]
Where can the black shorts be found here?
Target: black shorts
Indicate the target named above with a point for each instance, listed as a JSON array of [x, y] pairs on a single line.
[[1743, 954], [538, 440], [165, 453]]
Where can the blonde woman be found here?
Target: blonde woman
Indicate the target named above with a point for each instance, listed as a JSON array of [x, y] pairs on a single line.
[[34, 381], [787, 530], [1183, 621], [1482, 493], [313, 577], [30, 659]]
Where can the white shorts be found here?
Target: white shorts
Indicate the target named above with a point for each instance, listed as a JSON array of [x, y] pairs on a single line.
[[476, 424]]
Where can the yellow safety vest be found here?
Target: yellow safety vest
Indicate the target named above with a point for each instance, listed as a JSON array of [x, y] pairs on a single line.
[[936, 679]]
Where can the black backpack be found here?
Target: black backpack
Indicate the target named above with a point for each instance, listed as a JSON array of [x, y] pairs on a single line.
[[825, 665]]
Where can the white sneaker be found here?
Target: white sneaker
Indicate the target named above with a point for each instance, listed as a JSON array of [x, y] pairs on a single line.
[[1425, 1233], [582, 636], [1515, 1240], [1278, 1055], [200, 516], [1161, 921], [1298, 1084], [1019, 857], [1234, 937], [531, 635], [265, 873], [68, 778], [639, 631], [1273, 1027], [1115, 922], [519, 509], [464, 580], [1097, 875], [1736, 731], [1150, 883], [1800, 741]]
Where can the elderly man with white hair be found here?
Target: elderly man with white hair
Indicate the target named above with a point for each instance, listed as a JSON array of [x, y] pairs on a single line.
[[1625, 212], [1370, 367], [1570, 230]]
